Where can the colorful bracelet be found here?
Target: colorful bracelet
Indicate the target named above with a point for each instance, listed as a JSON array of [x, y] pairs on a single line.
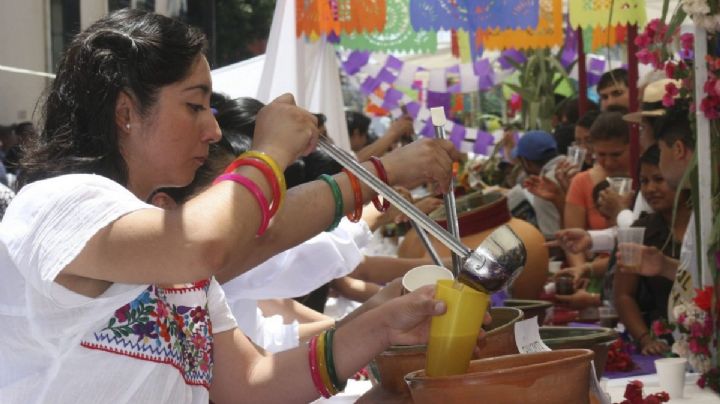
[[257, 193], [323, 365], [269, 175], [337, 195], [329, 334], [382, 174], [274, 166], [314, 371], [356, 215]]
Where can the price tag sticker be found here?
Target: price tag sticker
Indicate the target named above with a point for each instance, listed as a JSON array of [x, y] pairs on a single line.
[[527, 336]]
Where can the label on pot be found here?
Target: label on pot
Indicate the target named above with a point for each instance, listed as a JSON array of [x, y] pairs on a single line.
[[527, 336]]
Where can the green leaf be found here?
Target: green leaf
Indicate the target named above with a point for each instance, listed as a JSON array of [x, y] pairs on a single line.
[[111, 322]]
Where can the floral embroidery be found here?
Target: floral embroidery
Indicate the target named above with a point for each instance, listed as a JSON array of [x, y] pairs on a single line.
[[159, 326]]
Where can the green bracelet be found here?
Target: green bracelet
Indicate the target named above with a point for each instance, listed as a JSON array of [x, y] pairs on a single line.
[[337, 194], [329, 334]]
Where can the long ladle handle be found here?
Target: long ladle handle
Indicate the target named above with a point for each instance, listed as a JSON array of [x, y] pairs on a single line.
[[427, 244], [422, 220]]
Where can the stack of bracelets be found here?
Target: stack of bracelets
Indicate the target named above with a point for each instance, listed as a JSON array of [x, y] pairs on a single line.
[[322, 365], [356, 214], [271, 171]]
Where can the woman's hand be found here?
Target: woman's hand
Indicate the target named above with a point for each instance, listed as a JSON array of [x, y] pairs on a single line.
[[578, 273], [564, 173], [425, 160], [580, 299], [544, 188], [652, 346], [610, 203], [574, 241], [285, 131], [407, 318]]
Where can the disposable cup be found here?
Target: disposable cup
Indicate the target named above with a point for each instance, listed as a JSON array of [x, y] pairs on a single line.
[[554, 266], [424, 275], [621, 185], [453, 335], [671, 375], [629, 240], [576, 155]]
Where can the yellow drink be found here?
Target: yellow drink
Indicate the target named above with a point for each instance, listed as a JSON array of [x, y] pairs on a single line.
[[454, 334]]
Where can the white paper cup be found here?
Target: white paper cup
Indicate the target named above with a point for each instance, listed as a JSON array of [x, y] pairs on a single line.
[[621, 185], [554, 266], [628, 240], [576, 155], [424, 275], [671, 375]]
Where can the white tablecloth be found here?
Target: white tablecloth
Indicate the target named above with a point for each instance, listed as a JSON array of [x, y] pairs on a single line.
[[692, 394]]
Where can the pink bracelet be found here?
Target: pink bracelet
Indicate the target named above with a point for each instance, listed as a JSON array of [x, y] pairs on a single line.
[[257, 193], [315, 369]]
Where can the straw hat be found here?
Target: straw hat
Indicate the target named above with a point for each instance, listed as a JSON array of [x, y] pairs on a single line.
[[652, 101]]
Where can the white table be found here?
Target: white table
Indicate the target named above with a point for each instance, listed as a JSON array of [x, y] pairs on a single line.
[[615, 387], [692, 394]]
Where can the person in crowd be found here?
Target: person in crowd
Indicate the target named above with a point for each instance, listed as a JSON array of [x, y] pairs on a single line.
[[537, 154], [118, 300], [609, 135], [641, 300], [365, 145], [613, 89]]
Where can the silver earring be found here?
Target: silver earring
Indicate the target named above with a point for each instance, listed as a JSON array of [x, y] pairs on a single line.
[[127, 126]]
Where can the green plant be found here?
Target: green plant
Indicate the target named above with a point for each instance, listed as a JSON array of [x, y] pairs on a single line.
[[540, 76]]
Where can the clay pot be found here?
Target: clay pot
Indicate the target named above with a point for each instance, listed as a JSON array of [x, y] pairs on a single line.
[[399, 360], [531, 308], [598, 339], [539, 378], [478, 216]]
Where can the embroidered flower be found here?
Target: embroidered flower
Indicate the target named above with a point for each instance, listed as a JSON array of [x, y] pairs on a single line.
[[153, 327]]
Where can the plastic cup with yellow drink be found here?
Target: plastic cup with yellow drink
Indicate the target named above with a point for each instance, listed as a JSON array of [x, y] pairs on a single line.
[[453, 335]]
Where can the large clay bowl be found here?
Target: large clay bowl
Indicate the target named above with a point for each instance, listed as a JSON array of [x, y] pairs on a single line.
[[531, 308], [598, 339], [478, 215], [399, 360], [540, 378]]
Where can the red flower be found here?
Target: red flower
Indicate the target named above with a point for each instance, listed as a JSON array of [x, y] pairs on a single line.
[[670, 70], [703, 297], [659, 327], [687, 41]]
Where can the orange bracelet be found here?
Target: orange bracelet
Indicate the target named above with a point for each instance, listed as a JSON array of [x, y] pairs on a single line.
[[357, 191]]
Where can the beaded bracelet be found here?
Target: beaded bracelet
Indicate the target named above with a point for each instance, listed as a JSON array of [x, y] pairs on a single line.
[[323, 365], [329, 334], [268, 173], [257, 193], [356, 215], [337, 195], [314, 371], [274, 166], [382, 174]]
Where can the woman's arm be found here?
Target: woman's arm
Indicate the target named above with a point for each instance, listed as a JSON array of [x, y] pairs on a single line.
[[575, 218], [382, 269], [242, 373], [624, 290], [214, 233], [355, 289]]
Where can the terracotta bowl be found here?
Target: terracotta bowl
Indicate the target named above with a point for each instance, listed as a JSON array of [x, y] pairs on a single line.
[[393, 364], [531, 308], [598, 339], [539, 378]]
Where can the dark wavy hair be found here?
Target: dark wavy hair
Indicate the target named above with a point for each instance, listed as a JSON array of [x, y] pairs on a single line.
[[129, 51]]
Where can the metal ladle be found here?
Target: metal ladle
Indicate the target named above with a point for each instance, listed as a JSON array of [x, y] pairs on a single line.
[[487, 268]]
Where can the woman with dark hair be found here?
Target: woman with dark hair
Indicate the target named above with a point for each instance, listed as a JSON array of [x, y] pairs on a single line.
[[118, 300], [640, 300]]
